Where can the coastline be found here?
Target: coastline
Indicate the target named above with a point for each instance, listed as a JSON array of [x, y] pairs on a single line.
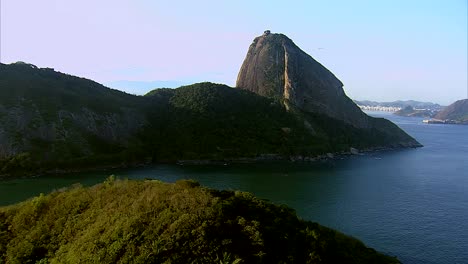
[[293, 159], [270, 157]]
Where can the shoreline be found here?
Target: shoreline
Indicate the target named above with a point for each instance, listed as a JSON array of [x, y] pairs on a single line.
[[221, 162], [292, 159]]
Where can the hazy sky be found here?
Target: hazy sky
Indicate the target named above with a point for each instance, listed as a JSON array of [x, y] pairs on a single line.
[[380, 50]]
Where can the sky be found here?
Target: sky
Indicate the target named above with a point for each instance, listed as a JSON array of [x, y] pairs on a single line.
[[381, 50]]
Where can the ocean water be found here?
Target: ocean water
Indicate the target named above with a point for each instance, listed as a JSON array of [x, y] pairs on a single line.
[[410, 203]]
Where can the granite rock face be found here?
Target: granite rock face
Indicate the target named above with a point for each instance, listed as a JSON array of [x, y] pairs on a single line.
[[275, 67]]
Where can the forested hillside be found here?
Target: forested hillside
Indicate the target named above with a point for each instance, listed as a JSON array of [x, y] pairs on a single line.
[[155, 222]]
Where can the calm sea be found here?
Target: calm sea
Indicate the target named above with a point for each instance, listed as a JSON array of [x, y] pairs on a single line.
[[412, 203]]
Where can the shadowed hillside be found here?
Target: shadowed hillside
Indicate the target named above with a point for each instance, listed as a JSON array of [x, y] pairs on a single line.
[[53, 118]]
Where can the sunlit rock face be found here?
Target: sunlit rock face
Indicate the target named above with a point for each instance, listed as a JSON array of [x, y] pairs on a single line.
[[275, 67]]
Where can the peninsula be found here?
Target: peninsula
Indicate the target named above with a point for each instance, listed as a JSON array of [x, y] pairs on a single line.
[[456, 113], [286, 106]]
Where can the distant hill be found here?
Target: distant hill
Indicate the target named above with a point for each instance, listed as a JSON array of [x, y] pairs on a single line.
[[141, 87], [412, 112], [155, 222], [457, 111], [54, 121]]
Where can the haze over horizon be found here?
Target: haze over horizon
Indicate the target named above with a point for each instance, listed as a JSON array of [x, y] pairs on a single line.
[[381, 51]]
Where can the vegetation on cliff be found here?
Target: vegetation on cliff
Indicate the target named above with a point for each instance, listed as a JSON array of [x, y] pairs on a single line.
[[122, 221]]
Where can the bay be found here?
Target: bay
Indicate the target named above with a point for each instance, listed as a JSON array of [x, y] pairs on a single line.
[[409, 203]]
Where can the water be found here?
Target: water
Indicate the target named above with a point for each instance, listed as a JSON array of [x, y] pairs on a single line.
[[410, 203]]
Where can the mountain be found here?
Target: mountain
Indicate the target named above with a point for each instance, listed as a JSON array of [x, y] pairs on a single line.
[[53, 121], [153, 222], [457, 111], [275, 67]]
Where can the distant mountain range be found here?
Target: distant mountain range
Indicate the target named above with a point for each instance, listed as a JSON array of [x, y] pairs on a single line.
[[400, 104], [409, 108], [456, 113]]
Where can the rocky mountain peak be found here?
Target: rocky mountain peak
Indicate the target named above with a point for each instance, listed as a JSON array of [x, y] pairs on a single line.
[[276, 67]]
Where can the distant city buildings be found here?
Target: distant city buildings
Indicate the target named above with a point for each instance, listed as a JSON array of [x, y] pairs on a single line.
[[380, 108]]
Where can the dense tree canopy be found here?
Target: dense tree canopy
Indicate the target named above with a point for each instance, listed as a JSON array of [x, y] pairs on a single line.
[[123, 221]]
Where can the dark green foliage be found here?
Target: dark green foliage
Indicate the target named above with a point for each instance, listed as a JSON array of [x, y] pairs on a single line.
[[20, 163], [209, 120], [155, 222]]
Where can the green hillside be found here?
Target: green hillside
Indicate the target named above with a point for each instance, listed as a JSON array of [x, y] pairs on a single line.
[[208, 120], [154, 222]]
